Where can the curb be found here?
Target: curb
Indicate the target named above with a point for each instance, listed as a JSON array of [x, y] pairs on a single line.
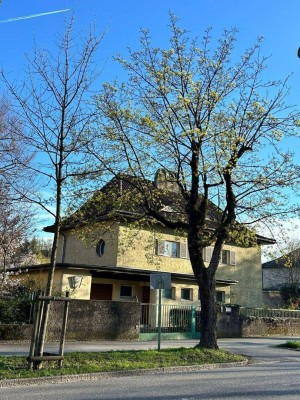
[[112, 374]]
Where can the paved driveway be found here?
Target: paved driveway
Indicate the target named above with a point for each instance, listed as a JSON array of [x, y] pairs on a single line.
[[262, 350]]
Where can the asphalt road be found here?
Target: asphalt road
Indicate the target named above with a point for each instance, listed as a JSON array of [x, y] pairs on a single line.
[[272, 374]]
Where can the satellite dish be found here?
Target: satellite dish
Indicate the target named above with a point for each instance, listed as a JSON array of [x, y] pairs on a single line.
[[298, 54]]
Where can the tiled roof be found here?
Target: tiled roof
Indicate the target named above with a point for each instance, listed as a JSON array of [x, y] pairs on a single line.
[[125, 197]]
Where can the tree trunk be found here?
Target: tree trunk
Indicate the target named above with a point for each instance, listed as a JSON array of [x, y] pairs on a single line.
[[208, 321]]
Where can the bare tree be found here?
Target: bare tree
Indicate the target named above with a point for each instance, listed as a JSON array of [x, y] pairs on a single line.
[[214, 126], [52, 104], [15, 157], [16, 224]]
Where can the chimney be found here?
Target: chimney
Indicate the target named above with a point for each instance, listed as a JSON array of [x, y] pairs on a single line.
[[165, 180]]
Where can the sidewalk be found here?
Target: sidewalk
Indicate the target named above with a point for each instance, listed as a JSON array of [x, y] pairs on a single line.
[[8, 348], [258, 349]]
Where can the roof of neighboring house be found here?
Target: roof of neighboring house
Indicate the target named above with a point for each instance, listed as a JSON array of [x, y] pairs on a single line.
[[120, 199], [284, 261], [135, 274]]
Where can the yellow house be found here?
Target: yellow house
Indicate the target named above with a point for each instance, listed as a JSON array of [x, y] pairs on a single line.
[[113, 260]]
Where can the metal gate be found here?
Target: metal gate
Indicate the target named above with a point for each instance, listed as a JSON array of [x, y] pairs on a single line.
[[177, 321]]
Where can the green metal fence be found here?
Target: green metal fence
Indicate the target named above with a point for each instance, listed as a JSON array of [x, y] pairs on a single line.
[[177, 321]]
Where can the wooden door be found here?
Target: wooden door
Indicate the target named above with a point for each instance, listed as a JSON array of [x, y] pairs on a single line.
[[101, 291]]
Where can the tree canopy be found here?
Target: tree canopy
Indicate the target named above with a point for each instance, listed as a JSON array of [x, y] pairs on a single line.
[[213, 123]]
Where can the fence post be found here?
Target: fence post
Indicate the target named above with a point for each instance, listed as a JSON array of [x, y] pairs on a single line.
[[64, 328], [193, 322], [35, 327]]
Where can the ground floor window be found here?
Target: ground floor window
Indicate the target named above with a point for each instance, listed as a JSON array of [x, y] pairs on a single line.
[[126, 291], [220, 296], [168, 293], [186, 294]]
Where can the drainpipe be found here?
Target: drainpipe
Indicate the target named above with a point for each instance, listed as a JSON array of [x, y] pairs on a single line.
[[63, 247]]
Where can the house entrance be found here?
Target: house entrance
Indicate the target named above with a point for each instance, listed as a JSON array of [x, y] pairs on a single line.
[[101, 291]]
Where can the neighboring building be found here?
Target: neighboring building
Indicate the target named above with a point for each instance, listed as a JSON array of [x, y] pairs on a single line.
[[279, 273], [111, 258]]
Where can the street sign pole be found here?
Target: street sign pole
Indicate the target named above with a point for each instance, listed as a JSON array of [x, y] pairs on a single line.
[[159, 315], [160, 281]]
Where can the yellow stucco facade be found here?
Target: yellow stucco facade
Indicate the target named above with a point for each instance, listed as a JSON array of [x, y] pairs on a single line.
[[133, 251]]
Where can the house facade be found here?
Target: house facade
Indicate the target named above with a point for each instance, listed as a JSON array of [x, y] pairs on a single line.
[[113, 258], [118, 267], [278, 274]]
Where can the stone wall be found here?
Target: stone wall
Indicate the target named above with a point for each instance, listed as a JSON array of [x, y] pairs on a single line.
[[228, 322], [255, 326], [109, 320], [96, 320], [232, 324], [15, 332]]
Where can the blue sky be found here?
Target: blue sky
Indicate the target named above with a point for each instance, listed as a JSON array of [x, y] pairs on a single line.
[[277, 21]]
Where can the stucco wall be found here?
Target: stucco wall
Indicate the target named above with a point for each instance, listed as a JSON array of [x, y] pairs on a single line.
[[116, 284], [36, 280], [247, 271], [83, 251], [137, 248], [82, 292], [125, 247]]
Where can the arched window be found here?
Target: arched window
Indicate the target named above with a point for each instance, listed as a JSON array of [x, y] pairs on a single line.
[[100, 248]]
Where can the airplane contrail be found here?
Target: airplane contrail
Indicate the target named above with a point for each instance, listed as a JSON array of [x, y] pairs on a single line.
[[33, 16]]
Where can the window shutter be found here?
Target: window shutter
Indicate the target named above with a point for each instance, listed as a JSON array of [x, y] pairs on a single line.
[[207, 253], [160, 247], [183, 250], [232, 258]]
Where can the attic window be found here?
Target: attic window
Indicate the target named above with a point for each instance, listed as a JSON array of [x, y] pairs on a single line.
[[100, 248]]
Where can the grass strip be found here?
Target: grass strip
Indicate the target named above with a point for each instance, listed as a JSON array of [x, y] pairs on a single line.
[[12, 367], [290, 344]]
